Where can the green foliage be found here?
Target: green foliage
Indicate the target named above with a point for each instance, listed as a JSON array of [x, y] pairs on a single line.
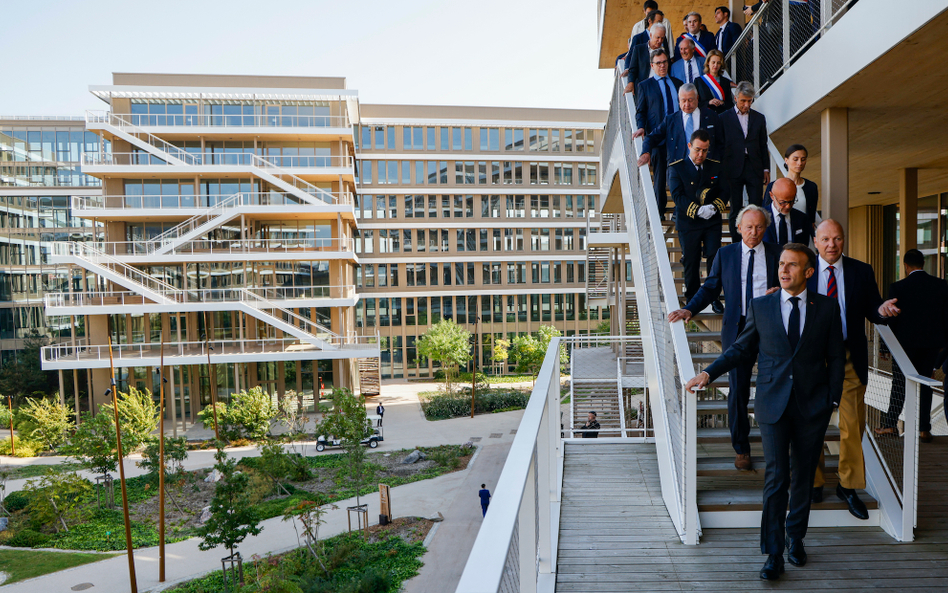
[[16, 501], [27, 564], [56, 497], [248, 415], [176, 451], [5, 413], [347, 421], [440, 406], [94, 444], [53, 421], [23, 374], [281, 466], [29, 538], [232, 517], [104, 531], [603, 329], [528, 352], [138, 415], [501, 350], [24, 448], [448, 344]]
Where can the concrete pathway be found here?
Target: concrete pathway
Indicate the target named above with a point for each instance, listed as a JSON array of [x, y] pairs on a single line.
[[454, 495]]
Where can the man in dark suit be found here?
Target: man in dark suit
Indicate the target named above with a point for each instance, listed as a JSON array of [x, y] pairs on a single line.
[[789, 224], [853, 284], [800, 369], [656, 16], [654, 101], [922, 329], [728, 32], [695, 184], [690, 66], [745, 153], [704, 41], [675, 132], [744, 270], [638, 65]]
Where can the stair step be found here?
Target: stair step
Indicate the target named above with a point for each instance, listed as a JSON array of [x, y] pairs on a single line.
[[704, 336], [718, 406], [724, 466], [740, 499], [723, 435], [704, 357]]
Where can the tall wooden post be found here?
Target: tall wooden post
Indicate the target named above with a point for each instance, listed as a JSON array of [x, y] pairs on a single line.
[[161, 465]]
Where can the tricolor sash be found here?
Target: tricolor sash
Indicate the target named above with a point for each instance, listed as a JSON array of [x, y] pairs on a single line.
[[698, 47], [715, 87]]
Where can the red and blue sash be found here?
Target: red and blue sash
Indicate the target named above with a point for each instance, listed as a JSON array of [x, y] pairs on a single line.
[[698, 47], [715, 87]]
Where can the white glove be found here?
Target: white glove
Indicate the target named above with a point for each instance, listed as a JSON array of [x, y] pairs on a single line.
[[707, 211]]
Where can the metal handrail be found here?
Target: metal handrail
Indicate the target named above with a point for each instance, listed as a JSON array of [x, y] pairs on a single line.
[[231, 121], [106, 117], [227, 246], [192, 201], [195, 221], [237, 159], [204, 295], [89, 252]]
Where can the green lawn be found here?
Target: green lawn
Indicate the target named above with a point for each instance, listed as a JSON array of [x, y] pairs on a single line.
[[33, 471], [26, 564]]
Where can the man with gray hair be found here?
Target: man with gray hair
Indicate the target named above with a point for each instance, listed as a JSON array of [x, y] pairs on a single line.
[[675, 132], [690, 67], [745, 271], [638, 65], [746, 160]]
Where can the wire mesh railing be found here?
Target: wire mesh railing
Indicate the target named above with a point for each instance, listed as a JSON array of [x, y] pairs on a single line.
[[779, 33]]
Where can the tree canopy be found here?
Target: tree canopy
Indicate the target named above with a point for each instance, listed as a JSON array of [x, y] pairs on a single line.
[[448, 344]]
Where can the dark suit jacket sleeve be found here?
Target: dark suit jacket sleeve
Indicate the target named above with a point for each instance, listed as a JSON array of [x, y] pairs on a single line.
[[710, 291], [744, 349], [641, 107], [764, 153], [632, 65], [656, 137], [676, 186], [836, 355], [717, 141]]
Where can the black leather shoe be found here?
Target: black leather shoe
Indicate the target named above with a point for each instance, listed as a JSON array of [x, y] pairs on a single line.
[[796, 553], [816, 495], [857, 508], [717, 307], [773, 568]]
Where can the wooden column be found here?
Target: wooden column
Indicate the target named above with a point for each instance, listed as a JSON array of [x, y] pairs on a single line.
[[862, 243], [908, 210], [834, 159]]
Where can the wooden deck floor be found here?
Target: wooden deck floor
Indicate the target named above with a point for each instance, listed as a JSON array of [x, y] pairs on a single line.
[[615, 535]]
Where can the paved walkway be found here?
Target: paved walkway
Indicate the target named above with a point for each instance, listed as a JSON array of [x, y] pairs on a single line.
[[454, 495]]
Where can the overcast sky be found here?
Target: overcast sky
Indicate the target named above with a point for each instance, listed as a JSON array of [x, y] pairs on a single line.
[[520, 53]]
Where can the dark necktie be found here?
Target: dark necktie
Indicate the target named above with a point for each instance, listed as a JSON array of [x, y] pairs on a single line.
[[782, 232], [831, 290], [749, 283], [690, 72], [669, 102], [793, 327]]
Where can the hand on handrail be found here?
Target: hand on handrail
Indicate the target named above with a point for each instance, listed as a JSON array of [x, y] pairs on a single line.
[[699, 382]]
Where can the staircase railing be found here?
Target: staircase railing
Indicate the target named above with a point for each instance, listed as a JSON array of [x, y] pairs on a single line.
[[778, 34], [106, 117], [206, 295], [90, 253], [516, 546], [172, 203], [668, 359]]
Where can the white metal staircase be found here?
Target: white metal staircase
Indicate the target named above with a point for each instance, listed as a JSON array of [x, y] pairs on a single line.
[[598, 273]]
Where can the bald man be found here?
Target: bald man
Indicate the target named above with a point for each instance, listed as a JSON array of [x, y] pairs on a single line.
[[853, 284], [789, 225]]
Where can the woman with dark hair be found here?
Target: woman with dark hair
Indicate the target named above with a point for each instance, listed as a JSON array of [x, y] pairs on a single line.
[[714, 88], [808, 195]]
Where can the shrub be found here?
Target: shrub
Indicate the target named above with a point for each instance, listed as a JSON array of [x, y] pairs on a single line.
[[24, 448], [53, 421], [94, 444], [55, 498], [5, 414], [438, 406], [248, 415], [138, 415], [28, 538], [16, 501], [176, 451]]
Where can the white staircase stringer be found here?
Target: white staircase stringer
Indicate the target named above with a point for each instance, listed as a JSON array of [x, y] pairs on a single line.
[[135, 136], [210, 225], [120, 279]]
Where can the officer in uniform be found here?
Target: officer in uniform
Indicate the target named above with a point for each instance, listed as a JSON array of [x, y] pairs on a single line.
[[695, 184]]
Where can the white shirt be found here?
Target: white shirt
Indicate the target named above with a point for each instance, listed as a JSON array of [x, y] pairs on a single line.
[[721, 37], [760, 273], [800, 204], [840, 290], [743, 118], [776, 219], [696, 74], [786, 305], [696, 121], [638, 27]]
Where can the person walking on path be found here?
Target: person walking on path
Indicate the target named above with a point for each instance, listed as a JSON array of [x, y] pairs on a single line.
[[485, 499], [380, 410]]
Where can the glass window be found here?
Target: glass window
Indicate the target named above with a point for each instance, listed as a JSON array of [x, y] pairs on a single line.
[[406, 172], [482, 172], [417, 138], [432, 172], [468, 139], [419, 172], [485, 139], [568, 140], [430, 134], [379, 137], [456, 139], [391, 138], [445, 139], [406, 138]]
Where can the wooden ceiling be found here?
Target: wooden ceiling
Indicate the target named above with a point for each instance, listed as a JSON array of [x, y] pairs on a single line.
[[897, 115], [621, 15]]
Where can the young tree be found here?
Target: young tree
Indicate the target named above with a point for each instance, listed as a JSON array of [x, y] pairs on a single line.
[[347, 421], [449, 344], [138, 415], [53, 421], [528, 352], [94, 444], [56, 497], [233, 518]]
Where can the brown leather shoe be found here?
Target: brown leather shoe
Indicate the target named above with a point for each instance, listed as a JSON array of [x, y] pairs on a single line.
[[885, 431], [742, 461], [925, 436]]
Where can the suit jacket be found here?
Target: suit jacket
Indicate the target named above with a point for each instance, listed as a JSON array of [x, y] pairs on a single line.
[[727, 36], [671, 134], [690, 192], [649, 105], [812, 194], [813, 372], [706, 39], [638, 63], [726, 274], [735, 145], [801, 230], [705, 95], [678, 68], [862, 302], [923, 321]]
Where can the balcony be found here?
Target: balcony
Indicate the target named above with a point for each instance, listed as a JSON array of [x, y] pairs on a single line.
[[144, 252], [205, 124], [67, 356], [318, 168], [133, 207]]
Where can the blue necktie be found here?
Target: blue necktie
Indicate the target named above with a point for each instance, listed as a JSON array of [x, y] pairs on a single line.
[[666, 93], [793, 326], [689, 126], [749, 283], [689, 76]]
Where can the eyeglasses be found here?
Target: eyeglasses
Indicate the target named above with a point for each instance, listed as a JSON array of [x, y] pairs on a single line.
[[787, 203], [662, 63]]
